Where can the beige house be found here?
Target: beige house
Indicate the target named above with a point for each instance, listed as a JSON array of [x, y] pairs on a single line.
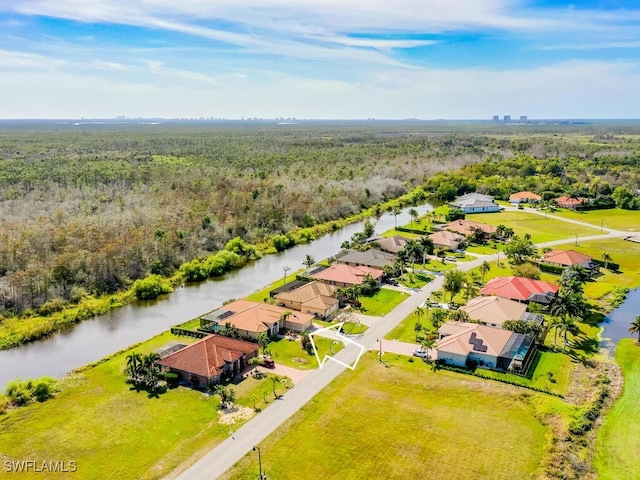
[[446, 240], [343, 275], [316, 298], [462, 343], [253, 318], [494, 311]]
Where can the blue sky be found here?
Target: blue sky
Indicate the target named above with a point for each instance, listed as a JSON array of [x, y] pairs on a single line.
[[319, 58]]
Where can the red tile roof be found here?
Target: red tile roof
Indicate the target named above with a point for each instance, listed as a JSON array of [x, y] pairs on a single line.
[[466, 227], [259, 316], [207, 356], [566, 200], [525, 196], [566, 257], [517, 288], [343, 273]]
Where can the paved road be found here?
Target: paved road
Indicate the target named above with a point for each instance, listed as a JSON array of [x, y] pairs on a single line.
[[226, 454]]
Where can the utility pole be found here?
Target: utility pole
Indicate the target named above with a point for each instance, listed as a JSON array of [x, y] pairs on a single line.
[[261, 477]]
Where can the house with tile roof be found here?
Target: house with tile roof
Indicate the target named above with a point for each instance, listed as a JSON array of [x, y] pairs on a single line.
[[569, 258], [343, 275], [521, 289], [253, 318], [463, 343], [209, 360], [468, 227], [475, 203], [371, 258], [524, 197], [446, 240], [391, 244], [493, 311], [316, 298], [572, 203]]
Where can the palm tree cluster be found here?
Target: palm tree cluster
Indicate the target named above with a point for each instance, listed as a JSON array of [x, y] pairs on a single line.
[[142, 370], [570, 306]]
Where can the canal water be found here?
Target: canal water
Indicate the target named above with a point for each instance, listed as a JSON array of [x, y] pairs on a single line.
[[616, 323], [100, 336]]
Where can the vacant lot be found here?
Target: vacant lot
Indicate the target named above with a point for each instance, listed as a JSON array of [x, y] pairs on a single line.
[[618, 441], [111, 431], [540, 228], [382, 302], [403, 422], [613, 218]]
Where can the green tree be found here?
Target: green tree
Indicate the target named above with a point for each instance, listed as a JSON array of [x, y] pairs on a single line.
[[395, 212], [556, 324], [634, 327], [606, 258], [518, 250], [428, 343], [438, 316], [484, 269], [427, 247], [458, 316], [263, 340], [413, 213], [309, 261], [453, 282]]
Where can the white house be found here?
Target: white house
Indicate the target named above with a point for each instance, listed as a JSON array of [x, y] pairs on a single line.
[[475, 203]]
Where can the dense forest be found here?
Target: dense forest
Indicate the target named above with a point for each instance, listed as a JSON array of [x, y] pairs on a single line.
[[89, 209]]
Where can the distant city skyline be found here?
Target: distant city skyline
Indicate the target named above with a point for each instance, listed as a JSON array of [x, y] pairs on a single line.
[[424, 59]]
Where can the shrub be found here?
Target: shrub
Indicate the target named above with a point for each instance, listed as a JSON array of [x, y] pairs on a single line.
[[171, 378], [151, 287], [20, 392]]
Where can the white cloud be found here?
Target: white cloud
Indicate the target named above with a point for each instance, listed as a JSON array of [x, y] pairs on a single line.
[[565, 90]]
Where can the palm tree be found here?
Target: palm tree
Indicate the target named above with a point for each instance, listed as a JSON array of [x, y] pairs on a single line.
[[634, 327], [134, 366], [413, 213], [438, 317], [554, 323], [470, 288], [309, 261], [426, 244], [395, 212], [427, 344], [606, 258], [419, 312], [484, 269], [568, 325]]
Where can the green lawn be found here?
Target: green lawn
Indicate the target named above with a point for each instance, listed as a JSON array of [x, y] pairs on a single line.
[[618, 439], [404, 331], [263, 294], [112, 431], [540, 228], [613, 218], [382, 302], [290, 353], [405, 421], [551, 371], [415, 280], [396, 233]]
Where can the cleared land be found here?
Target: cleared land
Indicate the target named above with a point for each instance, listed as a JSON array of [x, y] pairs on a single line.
[[615, 218], [111, 431], [290, 352], [540, 228], [618, 440], [407, 422], [382, 302]]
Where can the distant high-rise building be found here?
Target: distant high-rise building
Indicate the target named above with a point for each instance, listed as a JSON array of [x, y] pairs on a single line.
[[523, 118], [496, 118], [507, 118]]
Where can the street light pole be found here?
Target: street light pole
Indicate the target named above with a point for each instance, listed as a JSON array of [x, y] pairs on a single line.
[[261, 477], [380, 354]]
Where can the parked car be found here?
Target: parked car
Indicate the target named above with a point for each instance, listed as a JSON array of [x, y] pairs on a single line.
[[269, 363], [420, 353], [451, 259]]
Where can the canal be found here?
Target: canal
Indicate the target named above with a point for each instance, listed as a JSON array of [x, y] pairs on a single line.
[[100, 336]]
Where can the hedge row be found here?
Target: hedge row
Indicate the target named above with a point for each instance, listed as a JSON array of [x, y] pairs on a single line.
[[475, 373]]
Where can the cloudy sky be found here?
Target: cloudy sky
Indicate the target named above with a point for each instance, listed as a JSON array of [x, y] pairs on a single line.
[[319, 58]]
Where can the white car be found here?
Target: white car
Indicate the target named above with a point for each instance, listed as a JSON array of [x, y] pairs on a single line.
[[420, 353], [451, 259]]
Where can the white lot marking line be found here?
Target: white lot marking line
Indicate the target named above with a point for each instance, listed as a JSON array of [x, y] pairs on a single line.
[[338, 326]]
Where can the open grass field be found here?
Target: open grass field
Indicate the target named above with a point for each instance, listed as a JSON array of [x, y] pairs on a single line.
[[111, 431], [382, 302], [540, 228], [618, 439], [290, 353], [403, 422], [623, 252], [616, 218]]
